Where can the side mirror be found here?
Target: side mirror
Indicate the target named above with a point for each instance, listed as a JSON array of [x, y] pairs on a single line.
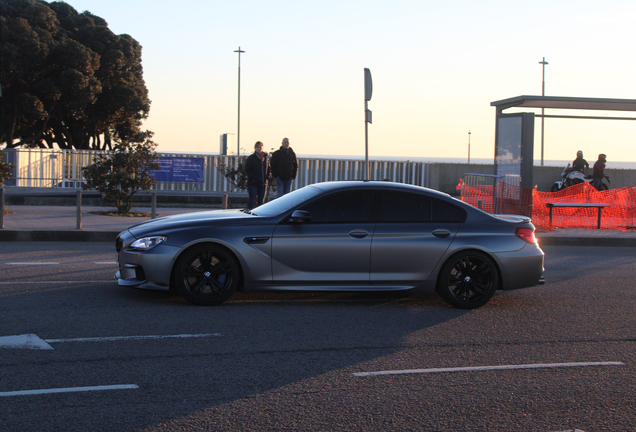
[[300, 216]]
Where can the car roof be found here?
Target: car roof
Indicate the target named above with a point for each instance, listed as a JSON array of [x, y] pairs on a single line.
[[372, 184]]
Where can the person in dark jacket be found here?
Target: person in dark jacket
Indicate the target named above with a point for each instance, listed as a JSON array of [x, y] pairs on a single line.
[[599, 171], [284, 168], [579, 163], [258, 172]]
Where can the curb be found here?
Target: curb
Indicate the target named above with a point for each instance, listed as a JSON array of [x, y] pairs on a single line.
[[58, 236], [586, 241]]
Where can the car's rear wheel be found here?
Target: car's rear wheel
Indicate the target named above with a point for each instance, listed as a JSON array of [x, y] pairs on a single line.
[[206, 274], [468, 280]]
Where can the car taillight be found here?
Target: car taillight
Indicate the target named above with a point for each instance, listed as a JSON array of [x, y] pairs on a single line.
[[526, 234]]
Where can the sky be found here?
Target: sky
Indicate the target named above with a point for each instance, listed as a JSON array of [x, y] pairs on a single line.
[[436, 67]]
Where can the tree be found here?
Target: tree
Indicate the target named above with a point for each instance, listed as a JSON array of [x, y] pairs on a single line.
[[67, 80], [5, 169], [120, 174]]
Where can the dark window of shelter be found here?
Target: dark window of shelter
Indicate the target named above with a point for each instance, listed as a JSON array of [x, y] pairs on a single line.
[[351, 206]]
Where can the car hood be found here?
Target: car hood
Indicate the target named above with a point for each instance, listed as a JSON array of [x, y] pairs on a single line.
[[193, 220]]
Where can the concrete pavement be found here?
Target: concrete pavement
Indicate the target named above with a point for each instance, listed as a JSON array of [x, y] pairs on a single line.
[[59, 223]]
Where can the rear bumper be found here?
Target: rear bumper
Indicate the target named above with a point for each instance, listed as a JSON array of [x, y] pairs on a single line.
[[522, 268]]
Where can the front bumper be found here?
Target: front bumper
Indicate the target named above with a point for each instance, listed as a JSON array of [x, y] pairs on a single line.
[[141, 267]]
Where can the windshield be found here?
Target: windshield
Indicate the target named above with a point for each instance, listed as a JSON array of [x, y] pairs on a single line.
[[286, 202]]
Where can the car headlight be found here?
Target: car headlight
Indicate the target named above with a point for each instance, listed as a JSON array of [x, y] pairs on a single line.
[[147, 243]]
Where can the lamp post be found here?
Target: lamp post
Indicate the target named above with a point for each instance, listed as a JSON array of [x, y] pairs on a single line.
[[468, 146], [543, 63], [238, 134]]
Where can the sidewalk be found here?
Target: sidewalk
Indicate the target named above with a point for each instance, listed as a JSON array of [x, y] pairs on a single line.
[[59, 223]]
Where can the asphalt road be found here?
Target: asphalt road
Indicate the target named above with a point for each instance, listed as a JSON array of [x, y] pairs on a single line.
[[551, 358]]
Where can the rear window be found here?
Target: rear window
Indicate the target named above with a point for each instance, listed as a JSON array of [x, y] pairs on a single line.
[[395, 207]]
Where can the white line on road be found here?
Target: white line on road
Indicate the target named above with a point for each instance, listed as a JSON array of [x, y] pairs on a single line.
[[117, 338], [32, 263], [70, 390], [105, 263], [486, 368], [32, 341]]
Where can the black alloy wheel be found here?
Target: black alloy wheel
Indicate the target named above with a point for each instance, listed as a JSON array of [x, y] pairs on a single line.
[[468, 280], [206, 275]]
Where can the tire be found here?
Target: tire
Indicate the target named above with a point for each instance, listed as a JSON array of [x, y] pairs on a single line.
[[468, 280], [206, 274], [555, 188]]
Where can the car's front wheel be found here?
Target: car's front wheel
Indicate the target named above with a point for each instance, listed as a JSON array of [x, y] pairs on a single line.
[[468, 280], [206, 274]]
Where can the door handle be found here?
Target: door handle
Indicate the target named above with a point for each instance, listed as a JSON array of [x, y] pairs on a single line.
[[358, 233], [441, 233]]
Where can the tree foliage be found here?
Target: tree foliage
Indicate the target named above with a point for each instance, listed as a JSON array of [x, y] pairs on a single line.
[[120, 174], [67, 80], [5, 169]]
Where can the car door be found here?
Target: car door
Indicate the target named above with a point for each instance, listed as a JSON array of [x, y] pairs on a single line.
[[412, 233], [333, 248]]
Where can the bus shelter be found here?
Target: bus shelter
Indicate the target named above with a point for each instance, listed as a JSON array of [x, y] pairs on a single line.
[[514, 138]]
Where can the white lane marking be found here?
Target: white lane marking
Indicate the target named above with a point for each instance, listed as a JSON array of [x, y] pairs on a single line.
[[486, 368], [25, 341], [70, 390], [105, 263], [571, 430], [117, 338], [32, 341], [32, 263]]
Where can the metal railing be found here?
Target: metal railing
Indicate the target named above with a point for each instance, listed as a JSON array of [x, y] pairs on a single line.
[[63, 169], [496, 193]]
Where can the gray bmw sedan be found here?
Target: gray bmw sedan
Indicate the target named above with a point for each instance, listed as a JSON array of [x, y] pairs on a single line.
[[336, 236]]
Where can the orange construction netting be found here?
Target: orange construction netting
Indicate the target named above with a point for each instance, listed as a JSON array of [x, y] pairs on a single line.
[[619, 215]]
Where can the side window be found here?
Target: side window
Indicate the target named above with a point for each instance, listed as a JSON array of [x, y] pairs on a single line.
[[401, 207], [352, 206], [443, 211]]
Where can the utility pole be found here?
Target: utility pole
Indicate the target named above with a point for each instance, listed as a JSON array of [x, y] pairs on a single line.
[[543, 63], [238, 134]]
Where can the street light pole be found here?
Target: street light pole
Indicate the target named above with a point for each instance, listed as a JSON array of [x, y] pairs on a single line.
[[468, 146], [238, 134], [543, 63]]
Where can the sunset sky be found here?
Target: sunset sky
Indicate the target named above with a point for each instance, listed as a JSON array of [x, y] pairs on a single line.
[[436, 68]]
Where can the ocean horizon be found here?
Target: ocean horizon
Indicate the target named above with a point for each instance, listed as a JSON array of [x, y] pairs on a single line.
[[479, 161]]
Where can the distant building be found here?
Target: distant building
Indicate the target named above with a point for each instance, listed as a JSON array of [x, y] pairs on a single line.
[[228, 145]]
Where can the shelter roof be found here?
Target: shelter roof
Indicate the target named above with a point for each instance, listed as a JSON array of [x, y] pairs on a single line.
[[573, 103]]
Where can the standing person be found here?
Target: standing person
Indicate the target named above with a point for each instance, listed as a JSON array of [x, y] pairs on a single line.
[[258, 171], [284, 168], [579, 163], [599, 171]]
